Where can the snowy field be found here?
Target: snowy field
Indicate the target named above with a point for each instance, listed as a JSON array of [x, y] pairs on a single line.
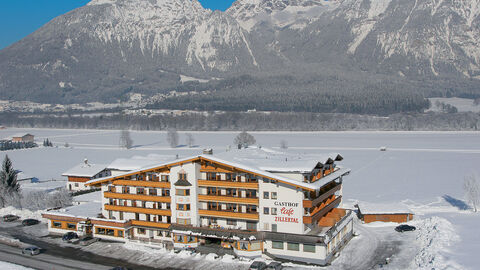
[[462, 104], [423, 171]]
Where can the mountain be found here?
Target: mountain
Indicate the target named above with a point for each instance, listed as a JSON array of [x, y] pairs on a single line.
[[110, 48]]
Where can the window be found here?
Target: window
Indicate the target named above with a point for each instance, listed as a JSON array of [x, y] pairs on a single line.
[[126, 190], [231, 192], [168, 205], [277, 244], [179, 238], [120, 233], [159, 233], [183, 207], [211, 176], [140, 230], [309, 248], [71, 226], [243, 246], [255, 245], [274, 227], [211, 191], [76, 184], [182, 192], [184, 221], [168, 233], [266, 226], [231, 207], [152, 191], [231, 222], [121, 215], [228, 176], [110, 232], [191, 239], [137, 216], [140, 190], [101, 230], [293, 246], [111, 189], [266, 195], [56, 224], [165, 178], [251, 208], [266, 210], [274, 211], [274, 195], [251, 225], [182, 176]]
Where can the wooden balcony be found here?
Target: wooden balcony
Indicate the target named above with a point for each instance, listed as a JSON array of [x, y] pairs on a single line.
[[227, 184], [140, 197], [134, 183], [130, 209], [228, 199], [151, 224], [321, 198], [322, 212], [227, 214]]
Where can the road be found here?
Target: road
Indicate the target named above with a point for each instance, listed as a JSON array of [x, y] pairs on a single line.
[[57, 257]]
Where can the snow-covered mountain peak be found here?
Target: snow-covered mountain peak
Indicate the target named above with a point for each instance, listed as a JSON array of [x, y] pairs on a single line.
[[279, 13]]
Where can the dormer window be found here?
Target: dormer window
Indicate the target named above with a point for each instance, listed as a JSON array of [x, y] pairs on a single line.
[[182, 176]]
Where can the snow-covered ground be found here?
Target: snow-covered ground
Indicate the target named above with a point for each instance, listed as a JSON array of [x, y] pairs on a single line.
[[11, 266], [422, 171]]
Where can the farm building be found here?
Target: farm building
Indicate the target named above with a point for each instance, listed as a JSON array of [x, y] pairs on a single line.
[[82, 173], [25, 138], [384, 213]]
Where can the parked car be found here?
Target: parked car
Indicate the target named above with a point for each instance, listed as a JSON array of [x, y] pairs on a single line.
[[10, 218], [258, 266], [69, 236], [88, 240], [30, 222], [274, 266], [31, 250], [405, 228]]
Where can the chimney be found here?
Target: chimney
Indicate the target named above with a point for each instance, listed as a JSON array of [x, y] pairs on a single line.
[[86, 162], [208, 151]]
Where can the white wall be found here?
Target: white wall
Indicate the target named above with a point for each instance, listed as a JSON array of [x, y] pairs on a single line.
[[193, 173], [285, 194]]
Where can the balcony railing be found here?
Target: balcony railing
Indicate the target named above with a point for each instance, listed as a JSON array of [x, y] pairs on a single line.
[[228, 214], [127, 196], [228, 199], [314, 202], [135, 183], [151, 224], [323, 211], [142, 210], [228, 184]]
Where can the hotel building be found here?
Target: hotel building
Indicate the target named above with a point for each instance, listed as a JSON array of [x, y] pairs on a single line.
[[255, 201]]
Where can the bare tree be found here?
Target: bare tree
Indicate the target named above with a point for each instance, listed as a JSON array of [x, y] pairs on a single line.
[[125, 139], [244, 139], [472, 190], [172, 137], [283, 144], [189, 139]]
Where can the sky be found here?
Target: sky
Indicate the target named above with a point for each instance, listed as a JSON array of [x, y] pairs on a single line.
[[19, 18]]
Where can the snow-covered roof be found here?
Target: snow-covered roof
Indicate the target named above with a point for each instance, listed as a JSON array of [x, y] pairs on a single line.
[[89, 197], [260, 159], [367, 208], [277, 161], [85, 170], [87, 210], [23, 176], [138, 162]]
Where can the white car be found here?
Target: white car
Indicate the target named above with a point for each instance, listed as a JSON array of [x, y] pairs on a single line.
[[31, 250]]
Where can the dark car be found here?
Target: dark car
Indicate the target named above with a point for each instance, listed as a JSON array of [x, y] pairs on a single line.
[[10, 218], [274, 266], [69, 236], [405, 228], [258, 266], [30, 222]]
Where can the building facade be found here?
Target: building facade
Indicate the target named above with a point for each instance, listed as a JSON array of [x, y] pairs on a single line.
[[78, 176], [253, 201]]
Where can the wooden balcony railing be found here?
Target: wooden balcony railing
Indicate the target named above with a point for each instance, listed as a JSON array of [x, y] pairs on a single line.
[[227, 214], [227, 184], [321, 198], [228, 199], [151, 224], [323, 211], [148, 198], [134, 183], [151, 211]]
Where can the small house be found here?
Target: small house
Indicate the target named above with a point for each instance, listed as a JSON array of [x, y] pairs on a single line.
[[27, 138], [84, 172]]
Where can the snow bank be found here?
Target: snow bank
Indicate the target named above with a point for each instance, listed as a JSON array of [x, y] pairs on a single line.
[[11, 266], [10, 241], [22, 213], [434, 235]]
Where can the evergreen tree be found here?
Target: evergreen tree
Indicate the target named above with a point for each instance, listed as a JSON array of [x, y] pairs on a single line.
[[8, 176]]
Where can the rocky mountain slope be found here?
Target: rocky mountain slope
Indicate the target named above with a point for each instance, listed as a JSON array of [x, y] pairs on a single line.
[[110, 48]]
